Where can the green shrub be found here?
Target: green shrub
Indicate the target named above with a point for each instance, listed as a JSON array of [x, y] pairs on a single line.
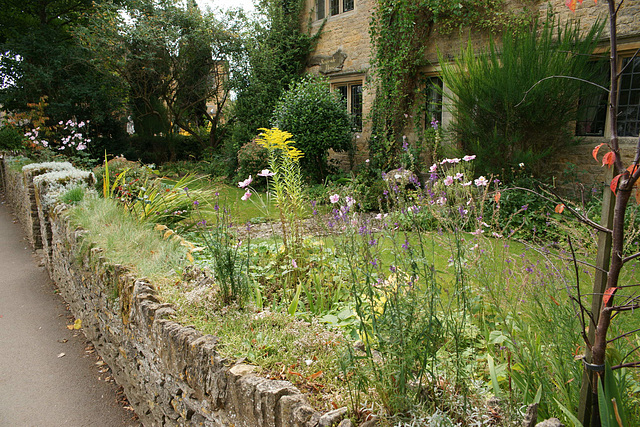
[[506, 112], [11, 139], [318, 121]]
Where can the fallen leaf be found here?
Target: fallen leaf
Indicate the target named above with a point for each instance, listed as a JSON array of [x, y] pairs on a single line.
[[61, 355], [77, 324], [314, 376], [100, 362], [63, 341]]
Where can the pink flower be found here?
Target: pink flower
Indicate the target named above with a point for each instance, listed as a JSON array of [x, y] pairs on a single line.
[[459, 176], [469, 158], [334, 198], [294, 263], [266, 173], [350, 201], [246, 195], [466, 184], [245, 183], [433, 168], [448, 180], [478, 232]]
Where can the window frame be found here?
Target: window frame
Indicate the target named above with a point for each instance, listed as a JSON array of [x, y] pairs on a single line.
[[349, 85], [626, 52], [326, 9]]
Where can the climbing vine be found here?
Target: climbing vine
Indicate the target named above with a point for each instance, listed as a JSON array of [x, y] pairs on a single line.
[[399, 32]]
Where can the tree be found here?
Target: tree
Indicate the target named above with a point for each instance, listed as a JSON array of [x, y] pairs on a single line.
[[173, 59], [276, 55], [39, 57], [611, 255]]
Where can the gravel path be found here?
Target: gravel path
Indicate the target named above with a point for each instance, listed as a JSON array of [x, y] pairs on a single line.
[[49, 375]]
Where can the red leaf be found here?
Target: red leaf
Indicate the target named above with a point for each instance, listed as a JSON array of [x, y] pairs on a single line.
[[608, 294], [638, 195], [497, 197], [608, 158], [595, 151], [614, 183], [559, 208], [571, 4]]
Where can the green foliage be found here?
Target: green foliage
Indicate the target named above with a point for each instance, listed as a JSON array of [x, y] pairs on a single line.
[[252, 158], [127, 241], [11, 138], [318, 121], [73, 196], [399, 32], [276, 55], [507, 112], [172, 58], [41, 58], [225, 255]]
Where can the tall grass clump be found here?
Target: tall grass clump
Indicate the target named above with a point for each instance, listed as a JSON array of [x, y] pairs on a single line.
[[127, 241], [514, 101]]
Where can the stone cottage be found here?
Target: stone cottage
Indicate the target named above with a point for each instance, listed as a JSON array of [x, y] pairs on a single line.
[[343, 54]]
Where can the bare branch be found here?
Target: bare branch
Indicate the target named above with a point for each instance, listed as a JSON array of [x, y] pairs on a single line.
[[622, 336], [579, 298], [559, 77], [631, 257], [626, 365]]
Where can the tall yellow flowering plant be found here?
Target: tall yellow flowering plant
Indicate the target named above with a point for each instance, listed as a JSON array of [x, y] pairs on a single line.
[[286, 185]]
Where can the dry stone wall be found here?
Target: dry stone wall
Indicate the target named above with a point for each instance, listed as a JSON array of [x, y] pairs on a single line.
[[172, 374]]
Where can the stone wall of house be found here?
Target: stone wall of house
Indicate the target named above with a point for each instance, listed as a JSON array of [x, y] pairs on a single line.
[[576, 169], [172, 374]]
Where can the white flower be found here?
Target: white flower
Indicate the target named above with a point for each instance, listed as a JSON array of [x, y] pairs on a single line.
[[350, 201], [521, 165], [480, 182], [478, 232], [469, 158], [441, 201], [466, 184], [266, 173]]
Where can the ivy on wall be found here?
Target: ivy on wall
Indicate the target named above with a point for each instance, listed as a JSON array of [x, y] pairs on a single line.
[[400, 31]]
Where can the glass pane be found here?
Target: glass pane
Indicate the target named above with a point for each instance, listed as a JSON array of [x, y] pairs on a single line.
[[320, 9], [593, 103], [356, 107], [629, 99], [433, 115], [334, 7], [342, 91], [347, 5]]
